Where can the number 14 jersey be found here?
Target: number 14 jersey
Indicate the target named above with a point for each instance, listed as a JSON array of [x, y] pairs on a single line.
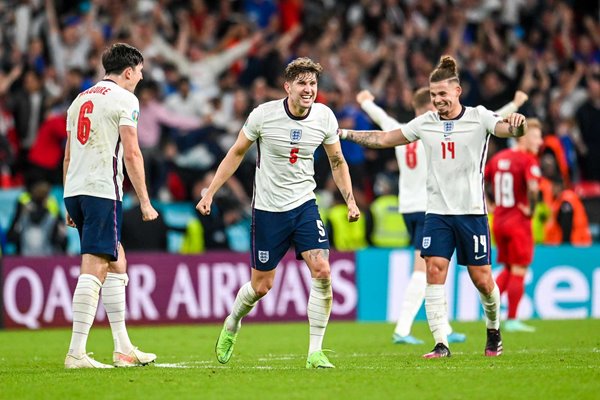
[[456, 152]]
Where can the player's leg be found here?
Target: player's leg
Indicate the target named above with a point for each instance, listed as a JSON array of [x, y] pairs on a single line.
[[312, 245], [473, 250], [415, 290], [489, 294], [503, 245], [437, 248], [125, 354], [85, 305], [270, 236], [520, 255], [515, 290], [96, 250], [245, 300]]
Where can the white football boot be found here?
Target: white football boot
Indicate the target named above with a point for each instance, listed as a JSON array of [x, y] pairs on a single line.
[[135, 358], [83, 361]]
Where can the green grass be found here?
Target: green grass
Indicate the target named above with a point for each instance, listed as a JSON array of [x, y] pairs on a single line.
[[560, 361]]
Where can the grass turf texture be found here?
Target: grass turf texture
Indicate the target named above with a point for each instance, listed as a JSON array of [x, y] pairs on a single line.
[[561, 360]]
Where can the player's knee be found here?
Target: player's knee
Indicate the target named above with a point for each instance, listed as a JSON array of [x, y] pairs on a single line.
[[321, 269], [484, 284], [263, 287]]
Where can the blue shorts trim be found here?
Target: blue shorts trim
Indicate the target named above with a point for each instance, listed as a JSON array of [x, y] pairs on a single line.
[[469, 235], [414, 224], [98, 222], [273, 233]]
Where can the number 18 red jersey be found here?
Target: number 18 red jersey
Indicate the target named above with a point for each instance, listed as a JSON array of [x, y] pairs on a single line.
[[508, 172]]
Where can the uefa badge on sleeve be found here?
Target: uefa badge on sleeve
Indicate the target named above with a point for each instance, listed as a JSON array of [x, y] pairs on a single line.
[[426, 241], [295, 135], [263, 256]]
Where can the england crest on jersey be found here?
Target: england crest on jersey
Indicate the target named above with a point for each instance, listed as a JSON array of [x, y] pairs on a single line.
[[295, 135], [448, 126], [263, 256], [426, 241]]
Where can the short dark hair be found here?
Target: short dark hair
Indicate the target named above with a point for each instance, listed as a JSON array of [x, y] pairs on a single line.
[[120, 56], [301, 66], [446, 69]]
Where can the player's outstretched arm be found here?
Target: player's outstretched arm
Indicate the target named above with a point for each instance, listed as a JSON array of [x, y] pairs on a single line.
[[514, 125], [341, 177], [375, 139], [376, 113], [134, 162], [513, 106], [226, 168]]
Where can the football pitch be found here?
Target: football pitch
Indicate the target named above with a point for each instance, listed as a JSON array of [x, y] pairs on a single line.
[[560, 361]]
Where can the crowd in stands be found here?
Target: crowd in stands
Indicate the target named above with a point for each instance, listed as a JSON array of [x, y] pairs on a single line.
[[208, 63]]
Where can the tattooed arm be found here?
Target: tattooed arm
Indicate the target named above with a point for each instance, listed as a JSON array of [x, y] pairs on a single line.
[[375, 139], [341, 176]]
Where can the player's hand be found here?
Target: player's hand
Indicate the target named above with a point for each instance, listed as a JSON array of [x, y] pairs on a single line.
[[203, 205], [515, 119], [520, 98], [69, 221], [148, 212], [525, 209], [364, 95], [353, 212]]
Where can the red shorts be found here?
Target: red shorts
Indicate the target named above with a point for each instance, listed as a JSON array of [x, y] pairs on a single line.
[[514, 243]]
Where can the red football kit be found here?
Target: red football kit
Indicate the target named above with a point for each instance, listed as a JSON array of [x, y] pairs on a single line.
[[508, 172]]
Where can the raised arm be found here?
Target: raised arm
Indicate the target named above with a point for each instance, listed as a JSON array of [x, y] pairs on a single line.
[[376, 113], [226, 168], [513, 106], [375, 139], [341, 177], [134, 162]]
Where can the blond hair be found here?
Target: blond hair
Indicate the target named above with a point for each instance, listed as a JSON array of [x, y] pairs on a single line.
[[301, 66], [446, 69], [421, 98], [534, 123]]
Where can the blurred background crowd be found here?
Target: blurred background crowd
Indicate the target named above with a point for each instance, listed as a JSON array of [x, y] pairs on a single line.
[[209, 63]]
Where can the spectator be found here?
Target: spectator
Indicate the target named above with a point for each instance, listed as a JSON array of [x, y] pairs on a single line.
[[569, 222], [37, 229], [588, 119]]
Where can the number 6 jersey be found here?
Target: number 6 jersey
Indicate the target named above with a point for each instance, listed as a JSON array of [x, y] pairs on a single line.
[[456, 152], [93, 120], [286, 146]]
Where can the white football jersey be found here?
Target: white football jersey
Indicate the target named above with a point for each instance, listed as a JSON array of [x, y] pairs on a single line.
[[93, 120], [286, 145], [411, 162], [456, 152]]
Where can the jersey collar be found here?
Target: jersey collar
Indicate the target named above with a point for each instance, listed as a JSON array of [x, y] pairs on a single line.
[[289, 113], [459, 116]]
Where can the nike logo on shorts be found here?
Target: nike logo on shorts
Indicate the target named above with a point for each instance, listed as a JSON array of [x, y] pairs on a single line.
[[480, 257], [322, 240]]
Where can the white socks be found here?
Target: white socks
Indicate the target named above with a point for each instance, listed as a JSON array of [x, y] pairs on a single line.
[[437, 314], [85, 304], [413, 298], [491, 307], [113, 299], [244, 303], [318, 310]]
